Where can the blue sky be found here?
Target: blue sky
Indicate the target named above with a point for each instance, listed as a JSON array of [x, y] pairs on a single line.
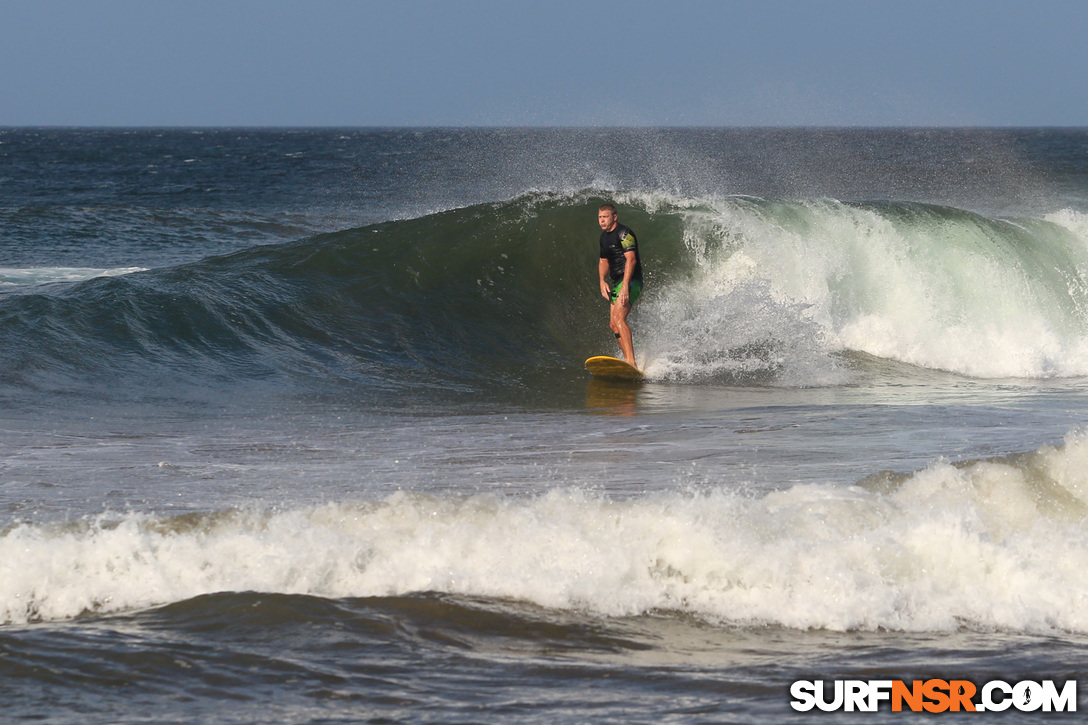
[[552, 63]]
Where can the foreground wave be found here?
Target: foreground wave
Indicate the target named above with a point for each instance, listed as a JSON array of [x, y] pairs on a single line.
[[995, 543], [740, 290]]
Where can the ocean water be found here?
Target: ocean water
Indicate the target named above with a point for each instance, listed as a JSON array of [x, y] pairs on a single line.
[[294, 425]]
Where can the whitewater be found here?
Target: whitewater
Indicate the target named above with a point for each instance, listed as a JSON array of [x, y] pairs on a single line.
[[992, 544], [294, 424]]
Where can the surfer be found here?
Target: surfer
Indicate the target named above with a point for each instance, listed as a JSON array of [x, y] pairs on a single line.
[[621, 263]]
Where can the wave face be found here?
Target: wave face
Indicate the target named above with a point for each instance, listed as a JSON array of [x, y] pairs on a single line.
[[455, 299], [739, 290], [996, 543]]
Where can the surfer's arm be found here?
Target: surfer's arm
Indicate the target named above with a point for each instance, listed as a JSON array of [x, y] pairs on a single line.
[[624, 297], [602, 272]]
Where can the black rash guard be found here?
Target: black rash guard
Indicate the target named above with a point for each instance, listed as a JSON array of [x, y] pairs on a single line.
[[613, 246]]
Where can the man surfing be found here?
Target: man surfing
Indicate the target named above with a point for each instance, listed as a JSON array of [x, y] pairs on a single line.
[[620, 262]]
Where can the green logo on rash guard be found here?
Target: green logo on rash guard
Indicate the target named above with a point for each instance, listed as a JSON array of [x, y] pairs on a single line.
[[628, 242]]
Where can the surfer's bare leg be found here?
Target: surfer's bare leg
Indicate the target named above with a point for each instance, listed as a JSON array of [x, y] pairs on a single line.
[[617, 320]]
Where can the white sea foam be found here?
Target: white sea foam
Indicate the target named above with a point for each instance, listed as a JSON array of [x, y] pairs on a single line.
[[12, 277], [990, 544], [937, 288]]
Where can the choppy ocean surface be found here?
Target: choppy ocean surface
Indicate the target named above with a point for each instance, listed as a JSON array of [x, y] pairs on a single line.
[[294, 425]]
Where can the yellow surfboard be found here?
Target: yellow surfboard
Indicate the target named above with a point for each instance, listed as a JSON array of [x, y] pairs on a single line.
[[603, 366]]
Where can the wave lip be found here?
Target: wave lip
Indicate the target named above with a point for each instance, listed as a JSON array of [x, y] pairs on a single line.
[[990, 544]]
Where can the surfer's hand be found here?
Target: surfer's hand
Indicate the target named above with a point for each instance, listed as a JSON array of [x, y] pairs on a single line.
[[606, 291]]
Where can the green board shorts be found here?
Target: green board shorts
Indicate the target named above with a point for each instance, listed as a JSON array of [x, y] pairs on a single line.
[[634, 289]]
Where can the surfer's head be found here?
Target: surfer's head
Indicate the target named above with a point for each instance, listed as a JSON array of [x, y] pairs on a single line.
[[606, 217]]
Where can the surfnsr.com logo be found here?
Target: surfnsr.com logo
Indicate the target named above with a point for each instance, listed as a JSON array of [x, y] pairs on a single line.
[[934, 696]]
